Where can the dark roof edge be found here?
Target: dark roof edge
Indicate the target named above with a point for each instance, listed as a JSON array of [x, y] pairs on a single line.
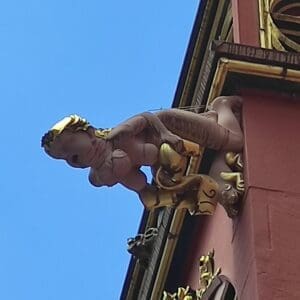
[[189, 54]]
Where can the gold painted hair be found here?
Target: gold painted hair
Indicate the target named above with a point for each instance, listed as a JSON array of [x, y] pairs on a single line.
[[73, 122]]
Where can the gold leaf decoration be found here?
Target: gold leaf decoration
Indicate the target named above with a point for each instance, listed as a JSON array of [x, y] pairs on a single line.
[[280, 24], [207, 273]]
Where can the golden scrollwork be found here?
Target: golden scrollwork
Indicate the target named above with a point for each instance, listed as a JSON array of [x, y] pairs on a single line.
[[280, 24], [195, 192], [236, 179], [182, 294], [207, 273]]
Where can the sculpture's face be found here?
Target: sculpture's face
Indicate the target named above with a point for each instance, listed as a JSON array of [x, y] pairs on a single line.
[[76, 148]]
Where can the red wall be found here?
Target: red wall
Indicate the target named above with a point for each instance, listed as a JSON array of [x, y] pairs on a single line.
[[259, 251], [246, 22]]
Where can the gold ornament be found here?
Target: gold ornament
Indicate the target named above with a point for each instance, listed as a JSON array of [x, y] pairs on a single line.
[[73, 122]]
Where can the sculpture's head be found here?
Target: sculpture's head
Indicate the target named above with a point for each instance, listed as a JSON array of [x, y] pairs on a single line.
[[74, 140]]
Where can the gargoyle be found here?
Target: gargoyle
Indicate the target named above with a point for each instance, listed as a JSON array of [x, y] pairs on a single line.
[[116, 155], [141, 245]]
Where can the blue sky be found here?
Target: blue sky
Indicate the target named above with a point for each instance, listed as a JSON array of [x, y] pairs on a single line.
[[61, 238]]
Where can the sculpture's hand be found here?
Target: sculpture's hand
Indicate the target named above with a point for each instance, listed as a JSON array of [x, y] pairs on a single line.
[[174, 140]]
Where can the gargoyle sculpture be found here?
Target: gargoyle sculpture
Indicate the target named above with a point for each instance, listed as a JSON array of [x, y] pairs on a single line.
[[141, 245], [164, 141]]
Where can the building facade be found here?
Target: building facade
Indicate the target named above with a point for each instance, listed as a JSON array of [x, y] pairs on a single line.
[[248, 48]]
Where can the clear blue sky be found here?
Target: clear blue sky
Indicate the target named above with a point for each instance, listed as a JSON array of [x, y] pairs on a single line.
[[61, 238]]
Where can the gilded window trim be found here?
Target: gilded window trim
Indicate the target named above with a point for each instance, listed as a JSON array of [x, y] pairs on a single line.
[[271, 37]]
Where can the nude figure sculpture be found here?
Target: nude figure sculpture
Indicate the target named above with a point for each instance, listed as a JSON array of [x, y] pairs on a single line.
[[116, 155]]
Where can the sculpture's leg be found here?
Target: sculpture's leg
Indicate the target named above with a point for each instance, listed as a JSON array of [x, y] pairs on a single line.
[[221, 133]]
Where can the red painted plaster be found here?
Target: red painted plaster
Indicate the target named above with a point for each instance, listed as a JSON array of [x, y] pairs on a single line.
[[272, 139], [245, 22], [259, 251]]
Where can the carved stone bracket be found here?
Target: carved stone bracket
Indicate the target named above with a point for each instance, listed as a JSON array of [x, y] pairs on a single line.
[[141, 245], [207, 273]]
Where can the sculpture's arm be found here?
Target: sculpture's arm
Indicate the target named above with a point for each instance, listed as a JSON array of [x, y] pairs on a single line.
[[135, 180], [138, 123]]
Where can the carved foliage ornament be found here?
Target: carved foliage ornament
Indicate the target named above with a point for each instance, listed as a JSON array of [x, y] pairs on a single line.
[[207, 274], [280, 24], [199, 192]]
